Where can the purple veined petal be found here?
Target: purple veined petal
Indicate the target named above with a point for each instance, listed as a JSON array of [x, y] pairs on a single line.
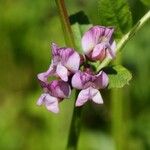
[[42, 79], [102, 80], [111, 51], [59, 88], [99, 52], [87, 44], [55, 49], [56, 54], [83, 97], [65, 53], [76, 80], [87, 79], [51, 70], [108, 32], [64, 90], [91, 38], [62, 72], [73, 62], [96, 96], [41, 99], [51, 103]]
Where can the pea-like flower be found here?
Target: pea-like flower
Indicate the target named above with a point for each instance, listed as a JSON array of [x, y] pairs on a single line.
[[98, 43], [54, 92], [89, 84], [64, 62]]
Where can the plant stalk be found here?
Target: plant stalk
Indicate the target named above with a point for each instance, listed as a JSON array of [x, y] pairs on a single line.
[[68, 35], [126, 38], [117, 119], [74, 127], [118, 116]]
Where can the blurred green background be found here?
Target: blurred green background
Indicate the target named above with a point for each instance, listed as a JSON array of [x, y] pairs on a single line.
[[26, 30]]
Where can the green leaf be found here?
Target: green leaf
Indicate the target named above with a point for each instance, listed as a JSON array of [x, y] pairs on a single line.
[[79, 24], [115, 13], [118, 76], [146, 2]]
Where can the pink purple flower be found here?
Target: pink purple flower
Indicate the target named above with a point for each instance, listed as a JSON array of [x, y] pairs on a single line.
[[64, 62], [54, 92], [98, 43], [89, 84]]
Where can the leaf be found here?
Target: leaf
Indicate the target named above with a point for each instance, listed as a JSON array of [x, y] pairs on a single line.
[[79, 24], [118, 76], [146, 2], [115, 13]]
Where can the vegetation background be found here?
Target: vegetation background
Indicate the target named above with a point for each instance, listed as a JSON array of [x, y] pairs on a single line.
[[26, 30]]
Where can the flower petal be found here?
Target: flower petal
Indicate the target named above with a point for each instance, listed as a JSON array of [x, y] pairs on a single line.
[[41, 99], [91, 38], [102, 80], [76, 80], [55, 49], [99, 52], [51, 103], [59, 88], [83, 97], [73, 62], [111, 50], [108, 33], [65, 53], [42, 77], [64, 90], [62, 72], [96, 96]]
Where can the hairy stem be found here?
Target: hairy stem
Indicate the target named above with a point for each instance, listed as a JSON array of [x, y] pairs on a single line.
[[126, 38], [69, 39], [65, 23]]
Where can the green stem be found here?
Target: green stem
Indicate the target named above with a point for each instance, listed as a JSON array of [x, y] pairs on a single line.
[[69, 39], [117, 119], [126, 38], [118, 116], [65, 23], [74, 127]]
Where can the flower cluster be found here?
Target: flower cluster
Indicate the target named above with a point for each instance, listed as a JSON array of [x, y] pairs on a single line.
[[97, 44]]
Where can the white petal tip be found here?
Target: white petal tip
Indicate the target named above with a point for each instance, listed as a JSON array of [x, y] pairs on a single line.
[[100, 102], [56, 111], [65, 79], [78, 104]]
